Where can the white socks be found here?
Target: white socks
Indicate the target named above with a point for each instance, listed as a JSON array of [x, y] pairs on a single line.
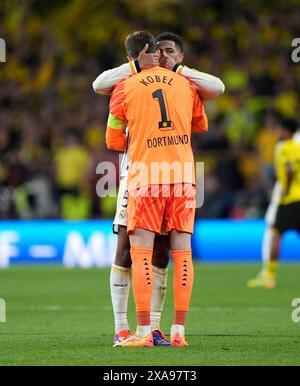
[[266, 245], [177, 328], [119, 288], [158, 295]]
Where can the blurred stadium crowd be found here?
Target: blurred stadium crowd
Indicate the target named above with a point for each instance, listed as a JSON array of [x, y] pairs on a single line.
[[52, 124]]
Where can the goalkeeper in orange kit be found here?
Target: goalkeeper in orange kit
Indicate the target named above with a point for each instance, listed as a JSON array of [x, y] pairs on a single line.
[[170, 56], [160, 109]]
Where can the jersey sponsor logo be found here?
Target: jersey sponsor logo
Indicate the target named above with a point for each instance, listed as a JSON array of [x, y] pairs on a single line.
[[167, 141]]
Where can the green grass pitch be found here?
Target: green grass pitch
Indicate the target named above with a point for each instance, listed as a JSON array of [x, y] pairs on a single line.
[[57, 316]]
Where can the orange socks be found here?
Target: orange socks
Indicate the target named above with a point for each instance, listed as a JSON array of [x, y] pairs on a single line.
[[142, 283], [183, 283]]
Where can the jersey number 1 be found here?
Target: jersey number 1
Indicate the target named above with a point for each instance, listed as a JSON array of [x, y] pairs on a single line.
[[165, 123]]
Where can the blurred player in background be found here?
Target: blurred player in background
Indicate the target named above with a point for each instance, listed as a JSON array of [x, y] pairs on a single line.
[[160, 107], [171, 56], [283, 213]]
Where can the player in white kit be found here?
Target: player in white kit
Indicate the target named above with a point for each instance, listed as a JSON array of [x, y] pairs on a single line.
[[208, 87]]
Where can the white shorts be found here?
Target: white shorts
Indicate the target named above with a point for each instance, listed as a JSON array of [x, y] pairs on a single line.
[[121, 212]]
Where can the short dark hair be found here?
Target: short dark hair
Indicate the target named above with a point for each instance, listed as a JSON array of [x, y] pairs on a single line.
[[172, 37], [289, 124], [136, 41]]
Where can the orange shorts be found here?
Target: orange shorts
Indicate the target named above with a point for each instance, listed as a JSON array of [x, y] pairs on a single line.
[[160, 208]]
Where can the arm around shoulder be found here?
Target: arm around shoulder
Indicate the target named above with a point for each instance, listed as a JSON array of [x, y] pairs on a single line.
[[107, 80], [208, 86]]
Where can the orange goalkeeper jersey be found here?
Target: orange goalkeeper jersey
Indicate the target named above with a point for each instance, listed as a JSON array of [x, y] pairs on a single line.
[[160, 109]]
